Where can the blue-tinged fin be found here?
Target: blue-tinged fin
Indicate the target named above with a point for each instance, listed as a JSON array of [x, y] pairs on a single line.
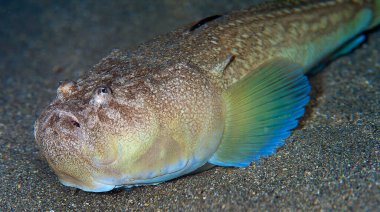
[[260, 112], [349, 47]]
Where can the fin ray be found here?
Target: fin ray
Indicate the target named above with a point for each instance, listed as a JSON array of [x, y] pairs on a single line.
[[261, 110]]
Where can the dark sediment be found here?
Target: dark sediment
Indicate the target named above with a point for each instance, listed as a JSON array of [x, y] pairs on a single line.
[[331, 161]]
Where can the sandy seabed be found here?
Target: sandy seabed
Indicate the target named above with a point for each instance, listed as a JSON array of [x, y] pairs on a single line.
[[330, 162]]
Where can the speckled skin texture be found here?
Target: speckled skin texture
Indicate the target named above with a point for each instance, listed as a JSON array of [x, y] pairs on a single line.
[[156, 113], [146, 127], [329, 162]]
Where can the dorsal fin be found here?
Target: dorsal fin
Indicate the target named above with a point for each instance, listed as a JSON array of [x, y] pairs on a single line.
[[204, 21]]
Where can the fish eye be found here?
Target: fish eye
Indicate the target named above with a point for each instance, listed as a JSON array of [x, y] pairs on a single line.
[[103, 90], [102, 96]]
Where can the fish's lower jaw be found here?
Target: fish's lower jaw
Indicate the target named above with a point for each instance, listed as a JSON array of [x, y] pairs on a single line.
[[95, 187]]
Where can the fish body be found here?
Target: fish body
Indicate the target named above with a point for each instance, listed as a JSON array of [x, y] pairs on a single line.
[[225, 91]]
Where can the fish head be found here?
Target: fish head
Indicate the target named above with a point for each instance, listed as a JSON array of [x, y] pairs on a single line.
[[92, 133], [145, 127]]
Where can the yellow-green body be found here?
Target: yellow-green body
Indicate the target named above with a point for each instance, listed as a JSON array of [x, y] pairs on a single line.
[[305, 32], [186, 98]]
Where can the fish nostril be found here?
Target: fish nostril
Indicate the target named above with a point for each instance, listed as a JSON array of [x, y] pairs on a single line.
[[64, 119], [75, 123]]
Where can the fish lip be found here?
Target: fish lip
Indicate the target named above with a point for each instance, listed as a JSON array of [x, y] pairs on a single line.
[[133, 182], [102, 184], [94, 186], [97, 186]]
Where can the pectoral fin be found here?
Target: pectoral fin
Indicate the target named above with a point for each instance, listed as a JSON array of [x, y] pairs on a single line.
[[261, 110]]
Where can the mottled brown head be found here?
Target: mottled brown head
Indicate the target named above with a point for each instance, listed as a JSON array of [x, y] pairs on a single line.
[[119, 127], [83, 132]]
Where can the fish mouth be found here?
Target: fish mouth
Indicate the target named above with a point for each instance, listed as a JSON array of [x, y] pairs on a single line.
[[57, 127], [108, 183], [88, 183], [95, 186]]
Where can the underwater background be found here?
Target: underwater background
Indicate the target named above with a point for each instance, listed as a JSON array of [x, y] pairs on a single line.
[[331, 161]]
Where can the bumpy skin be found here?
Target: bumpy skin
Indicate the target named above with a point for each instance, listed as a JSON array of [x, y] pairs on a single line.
[[157, 112]]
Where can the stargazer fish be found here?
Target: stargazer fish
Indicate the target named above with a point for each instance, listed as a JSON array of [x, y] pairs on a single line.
[[225, 91]]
